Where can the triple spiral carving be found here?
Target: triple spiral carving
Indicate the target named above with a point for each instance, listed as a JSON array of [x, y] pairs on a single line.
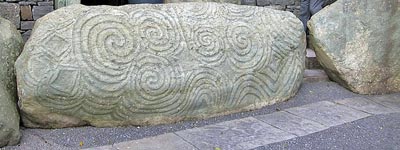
[[159, 61]]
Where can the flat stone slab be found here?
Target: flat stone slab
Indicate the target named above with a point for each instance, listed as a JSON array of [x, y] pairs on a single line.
[[315, 75], [328, 113], [292, 123], [156, 64], [168, 141], [246, 133], [366, 105], [391, 101]]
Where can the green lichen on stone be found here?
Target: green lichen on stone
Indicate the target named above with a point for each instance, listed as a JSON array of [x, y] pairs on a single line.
[[10, 47]]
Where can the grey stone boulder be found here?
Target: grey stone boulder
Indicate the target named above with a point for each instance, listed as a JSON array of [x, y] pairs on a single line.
[[156, 64], [358, 44], [10, 47]]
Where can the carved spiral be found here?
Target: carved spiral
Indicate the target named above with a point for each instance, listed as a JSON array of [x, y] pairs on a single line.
[[157, 85], [247, 89], [204, 90], [105, 47], [234, 13], [159, 32], [208, 45], [246, 51], [207, 10]]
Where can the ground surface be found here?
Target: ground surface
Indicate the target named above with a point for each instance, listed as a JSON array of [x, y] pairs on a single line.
[[362, 130]]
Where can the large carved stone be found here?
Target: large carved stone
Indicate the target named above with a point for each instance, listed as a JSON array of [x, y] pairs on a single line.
[[10, 47], [358, 44], [152, 64]]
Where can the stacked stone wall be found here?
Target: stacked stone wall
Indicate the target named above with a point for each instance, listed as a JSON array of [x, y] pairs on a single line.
[[23, 14]]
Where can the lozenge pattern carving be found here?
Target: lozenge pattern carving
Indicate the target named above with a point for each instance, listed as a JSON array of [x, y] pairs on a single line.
[[132, 64]]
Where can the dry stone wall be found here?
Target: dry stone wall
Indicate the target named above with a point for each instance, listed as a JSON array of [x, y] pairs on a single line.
[[24, 13]]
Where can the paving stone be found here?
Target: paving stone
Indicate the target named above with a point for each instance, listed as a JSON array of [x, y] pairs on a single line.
[[291, 123], [311, 59], [366, 105], [168, 141], [240, 134], [40, 11], [10, 11], [107, 147], [27, 25], [30, 141], [328, 113], [26, 12], [391, 101], [315, 75]]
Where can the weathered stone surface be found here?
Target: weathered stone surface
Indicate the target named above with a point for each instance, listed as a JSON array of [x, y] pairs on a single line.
[[10, 11], [27, 25], [26, 12], [62, 3], [358, 44], [151, 64], [10, 47], [248, 2], [219, 1], [40, 11]]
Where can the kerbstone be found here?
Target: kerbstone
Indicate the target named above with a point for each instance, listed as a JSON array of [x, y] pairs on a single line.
[[10, 47], [328, 113], [246, 133], [358, 44], [155, 64]]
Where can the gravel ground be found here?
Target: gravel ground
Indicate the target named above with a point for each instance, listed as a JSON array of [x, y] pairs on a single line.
[[381, 132], [84, 137]]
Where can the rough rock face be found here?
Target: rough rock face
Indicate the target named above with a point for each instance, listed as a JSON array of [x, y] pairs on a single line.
[[62, 3], [152, 64], [219, 1], [358, 44], [10, 46]]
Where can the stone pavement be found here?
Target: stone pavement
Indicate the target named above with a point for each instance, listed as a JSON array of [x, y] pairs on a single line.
[[253, 132], [323, 115]]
